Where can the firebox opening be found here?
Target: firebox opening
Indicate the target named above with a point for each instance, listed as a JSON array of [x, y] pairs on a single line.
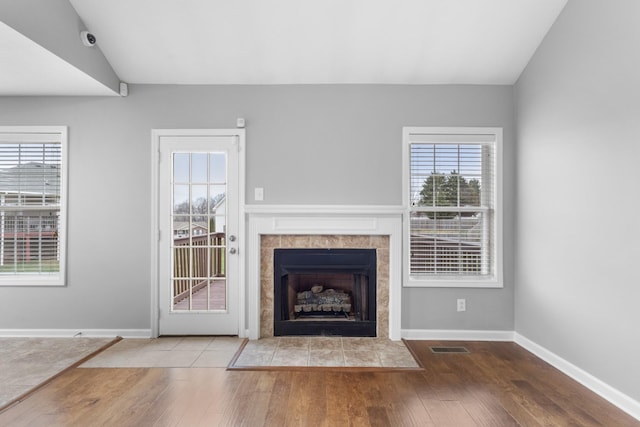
[[325, 292], [330, 296]]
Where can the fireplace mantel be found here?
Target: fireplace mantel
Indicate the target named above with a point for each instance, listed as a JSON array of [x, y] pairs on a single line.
[[323, 220]]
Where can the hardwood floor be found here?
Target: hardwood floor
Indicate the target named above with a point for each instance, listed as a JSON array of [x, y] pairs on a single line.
[[498, 384]]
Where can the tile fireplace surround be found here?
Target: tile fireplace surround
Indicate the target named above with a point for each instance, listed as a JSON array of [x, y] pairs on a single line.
[[345, 227], [270, 242]]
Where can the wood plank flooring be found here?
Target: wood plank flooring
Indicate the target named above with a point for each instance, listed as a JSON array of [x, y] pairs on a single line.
[[498, 384]]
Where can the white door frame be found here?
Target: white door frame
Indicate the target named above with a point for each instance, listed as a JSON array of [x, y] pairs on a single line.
[[156, 134]]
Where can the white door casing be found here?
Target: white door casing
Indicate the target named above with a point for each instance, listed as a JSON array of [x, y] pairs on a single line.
[[187, 244]]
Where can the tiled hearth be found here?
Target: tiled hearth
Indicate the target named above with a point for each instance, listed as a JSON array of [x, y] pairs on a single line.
[[285, 241], [335, 352]]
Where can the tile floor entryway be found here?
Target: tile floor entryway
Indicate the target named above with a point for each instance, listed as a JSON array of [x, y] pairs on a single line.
[[218, 352], [168, 352]]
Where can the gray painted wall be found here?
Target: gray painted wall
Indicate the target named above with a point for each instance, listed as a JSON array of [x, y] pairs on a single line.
[[577, 195], [305, 145]]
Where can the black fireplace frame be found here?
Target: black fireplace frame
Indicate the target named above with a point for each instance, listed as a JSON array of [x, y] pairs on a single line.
[[303, 260]]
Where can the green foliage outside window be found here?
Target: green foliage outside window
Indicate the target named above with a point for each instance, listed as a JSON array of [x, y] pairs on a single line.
[[453, 190]]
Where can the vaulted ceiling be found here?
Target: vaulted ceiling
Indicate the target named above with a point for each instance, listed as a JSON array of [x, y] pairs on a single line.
[[286, 42]]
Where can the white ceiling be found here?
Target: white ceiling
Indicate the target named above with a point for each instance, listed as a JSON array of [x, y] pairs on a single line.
[[311, 41]]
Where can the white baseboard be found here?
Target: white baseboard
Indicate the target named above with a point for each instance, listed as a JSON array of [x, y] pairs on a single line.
[[616, 397], [456, 335], [68, 333]]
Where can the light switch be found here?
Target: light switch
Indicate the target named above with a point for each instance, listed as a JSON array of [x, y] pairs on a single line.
[[259, 194]]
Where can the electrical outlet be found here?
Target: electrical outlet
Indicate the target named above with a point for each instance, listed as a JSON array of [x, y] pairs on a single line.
[[259, 194], [462, 304]]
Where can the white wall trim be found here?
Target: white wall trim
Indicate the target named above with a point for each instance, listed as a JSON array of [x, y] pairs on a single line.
[[70, 333], [456, 335], [613, 395], [325, 209], [154, 223], [344, 220]]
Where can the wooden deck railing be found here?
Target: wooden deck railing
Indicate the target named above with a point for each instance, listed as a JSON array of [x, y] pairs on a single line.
[[200, 258]]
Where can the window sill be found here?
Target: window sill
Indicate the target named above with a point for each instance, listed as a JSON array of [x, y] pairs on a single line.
[[440, 282], [30, 281]]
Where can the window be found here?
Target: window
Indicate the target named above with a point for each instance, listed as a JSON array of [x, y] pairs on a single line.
[[32, 205], [452, 207]]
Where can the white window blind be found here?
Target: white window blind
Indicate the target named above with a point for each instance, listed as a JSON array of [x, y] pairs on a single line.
[[32, 213], [451, 205]]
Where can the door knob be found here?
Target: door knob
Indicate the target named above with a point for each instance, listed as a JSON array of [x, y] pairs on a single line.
[[233, 251]]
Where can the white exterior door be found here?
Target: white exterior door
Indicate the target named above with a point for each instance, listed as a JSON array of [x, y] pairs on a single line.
[[198, 218]]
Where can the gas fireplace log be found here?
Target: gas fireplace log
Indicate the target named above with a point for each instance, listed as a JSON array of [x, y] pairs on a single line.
[[323, 300], [308, 308], [329, 296]]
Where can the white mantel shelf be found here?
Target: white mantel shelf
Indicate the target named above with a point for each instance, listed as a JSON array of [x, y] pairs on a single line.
[[318, 220], [323, 209]]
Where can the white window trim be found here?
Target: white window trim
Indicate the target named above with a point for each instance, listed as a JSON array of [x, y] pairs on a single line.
[[452, 282], [60, 278]]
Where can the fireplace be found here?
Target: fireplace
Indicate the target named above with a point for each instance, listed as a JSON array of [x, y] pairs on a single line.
[[325, 292]]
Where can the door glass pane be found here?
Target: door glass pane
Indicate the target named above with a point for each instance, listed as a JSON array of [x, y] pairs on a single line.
[[218, 170], [199, 204], [180, 227], [181, 167], [218, 293], [199, 167], [217, 263], [217, 193], [199, 241], [180, 199]]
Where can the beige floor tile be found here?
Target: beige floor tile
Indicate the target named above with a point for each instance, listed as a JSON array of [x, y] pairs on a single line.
[[254, 358], [326, 358], [214, 359], [356, 343], [193, 343], [297, 343], [109, 361], [325, 343], [290, 357], [225, 343], [114, 356], [177, 358], [263, 344], [361, 358], [117, 350], [165, 343], [391, 346], [142, 359], [130, 343], [396, 359]]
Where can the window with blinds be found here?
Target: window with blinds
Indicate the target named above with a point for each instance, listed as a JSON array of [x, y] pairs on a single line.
[[32, 214], [451, 198]]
